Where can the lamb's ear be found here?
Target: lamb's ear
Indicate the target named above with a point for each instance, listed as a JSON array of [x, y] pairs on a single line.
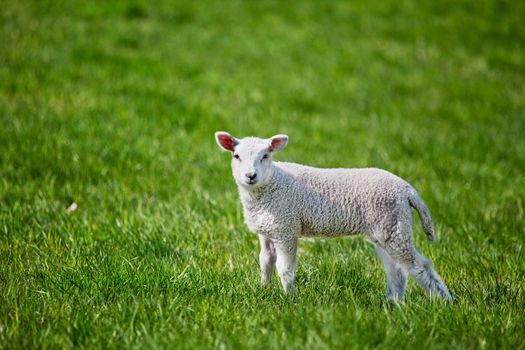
[[226, 141], [278, 142]]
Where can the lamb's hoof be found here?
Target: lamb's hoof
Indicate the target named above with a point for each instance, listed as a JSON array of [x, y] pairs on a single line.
[[394, 298], [390, 302], [394, 301], [442, 297], [265, 282], [448, 299]]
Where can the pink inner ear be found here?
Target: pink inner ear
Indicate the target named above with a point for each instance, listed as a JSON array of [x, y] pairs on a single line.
[[226, 142], [276, 144]]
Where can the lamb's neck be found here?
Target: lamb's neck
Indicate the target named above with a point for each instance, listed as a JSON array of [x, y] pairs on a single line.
[[251, 196]]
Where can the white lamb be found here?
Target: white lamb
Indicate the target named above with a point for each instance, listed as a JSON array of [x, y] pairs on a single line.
[[284, 201]]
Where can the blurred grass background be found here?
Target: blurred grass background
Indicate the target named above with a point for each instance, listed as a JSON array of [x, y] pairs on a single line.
[[113, 105]]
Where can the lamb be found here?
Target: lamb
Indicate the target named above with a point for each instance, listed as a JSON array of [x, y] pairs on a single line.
[[285, 201]]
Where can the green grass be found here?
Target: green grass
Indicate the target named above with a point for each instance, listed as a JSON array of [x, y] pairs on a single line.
[[113, 105]]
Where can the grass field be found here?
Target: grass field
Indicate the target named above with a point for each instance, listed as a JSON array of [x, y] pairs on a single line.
[[113, 105]]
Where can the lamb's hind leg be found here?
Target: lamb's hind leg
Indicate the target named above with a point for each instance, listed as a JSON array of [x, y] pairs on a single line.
[[396, 277], [420, 268], [425, 275], [398, 244]]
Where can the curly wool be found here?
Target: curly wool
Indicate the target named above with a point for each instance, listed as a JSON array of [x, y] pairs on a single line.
[[329, 202]]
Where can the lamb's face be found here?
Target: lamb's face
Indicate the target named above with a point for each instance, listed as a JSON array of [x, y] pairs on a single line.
[[251, 162], [251, 157]]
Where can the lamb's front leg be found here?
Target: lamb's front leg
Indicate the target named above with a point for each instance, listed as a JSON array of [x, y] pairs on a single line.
[[286, 261], [267, 259]]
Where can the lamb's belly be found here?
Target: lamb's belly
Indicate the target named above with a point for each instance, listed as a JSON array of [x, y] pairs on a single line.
[[332, 218], [320, 228]]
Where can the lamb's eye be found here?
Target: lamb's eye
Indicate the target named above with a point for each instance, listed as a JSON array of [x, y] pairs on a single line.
[[265, 157], [236, 156]]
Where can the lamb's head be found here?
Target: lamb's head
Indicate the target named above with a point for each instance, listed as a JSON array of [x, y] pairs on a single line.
[[251, 157]]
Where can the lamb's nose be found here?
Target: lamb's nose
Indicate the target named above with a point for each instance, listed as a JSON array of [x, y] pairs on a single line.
[[251, 175]]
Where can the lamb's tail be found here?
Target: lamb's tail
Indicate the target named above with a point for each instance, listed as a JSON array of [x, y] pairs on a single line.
[[424, 215]]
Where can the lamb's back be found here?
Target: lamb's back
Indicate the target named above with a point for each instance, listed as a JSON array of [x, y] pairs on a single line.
[[334, 182]]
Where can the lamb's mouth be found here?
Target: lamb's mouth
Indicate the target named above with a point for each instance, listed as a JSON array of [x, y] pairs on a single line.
[[251, 182]]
